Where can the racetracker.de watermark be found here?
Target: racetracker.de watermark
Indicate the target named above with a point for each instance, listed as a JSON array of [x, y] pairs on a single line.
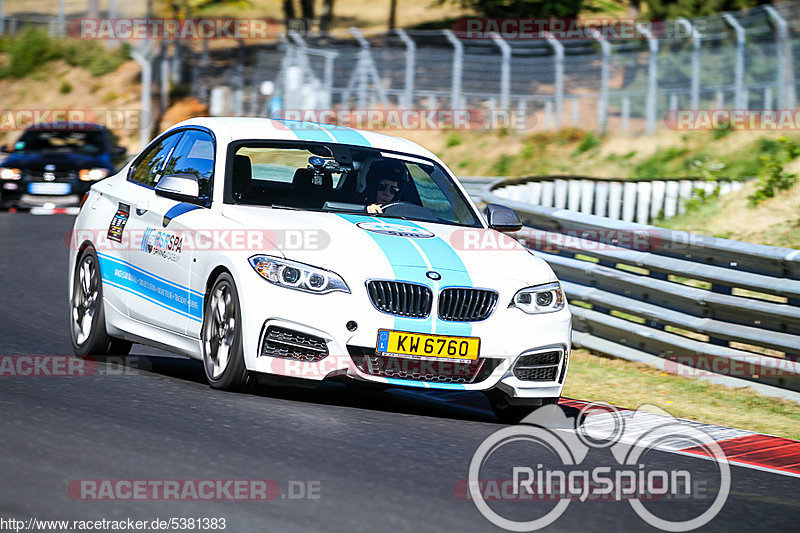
[[733, 119], [175, 242], [408, 119], [745, 366], [70, 119], [569, 29], [192, 490], [70, 366], [173, 29]]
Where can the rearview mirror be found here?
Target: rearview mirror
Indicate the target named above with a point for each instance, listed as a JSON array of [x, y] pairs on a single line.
[[502, 218], [180, 187]]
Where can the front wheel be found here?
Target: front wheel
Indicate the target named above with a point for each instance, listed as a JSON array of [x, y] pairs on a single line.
[[87, 315], [223, 353]]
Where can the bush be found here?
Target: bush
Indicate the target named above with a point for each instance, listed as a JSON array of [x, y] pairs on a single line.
[[33, 47], [454, 139], [503, 165], [65, 87], [587, 143], [773, 178], [27, 52]]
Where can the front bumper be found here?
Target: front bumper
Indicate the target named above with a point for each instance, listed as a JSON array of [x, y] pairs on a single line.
[[505, 336], [20, 193]]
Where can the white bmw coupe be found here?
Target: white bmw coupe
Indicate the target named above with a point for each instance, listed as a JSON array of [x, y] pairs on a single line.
[[318, 252]]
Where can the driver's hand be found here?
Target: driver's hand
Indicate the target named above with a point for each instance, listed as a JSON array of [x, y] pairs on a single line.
[[375, 209]]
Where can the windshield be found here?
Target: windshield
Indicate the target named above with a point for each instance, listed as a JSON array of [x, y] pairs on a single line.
[[85, 142], [339, 178]]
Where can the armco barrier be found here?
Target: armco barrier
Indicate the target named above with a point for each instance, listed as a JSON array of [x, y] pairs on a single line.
[[700, 306]]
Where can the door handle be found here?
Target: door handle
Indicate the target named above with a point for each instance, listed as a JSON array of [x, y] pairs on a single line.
[[142, 207]]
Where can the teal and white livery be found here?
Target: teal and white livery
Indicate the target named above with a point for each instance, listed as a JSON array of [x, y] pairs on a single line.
[[315, 252]]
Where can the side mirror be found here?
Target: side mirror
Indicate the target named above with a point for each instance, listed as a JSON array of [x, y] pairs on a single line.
[[501, 218], [180, 187]]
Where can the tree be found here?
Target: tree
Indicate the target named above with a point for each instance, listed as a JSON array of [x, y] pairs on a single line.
[[525, 8], [671, 9]]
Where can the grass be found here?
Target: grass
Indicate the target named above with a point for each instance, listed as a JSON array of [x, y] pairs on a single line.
[[627, 384]]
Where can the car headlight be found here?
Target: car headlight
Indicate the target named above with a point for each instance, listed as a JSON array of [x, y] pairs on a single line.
[[10, 173], [546, 298], [92, 174], [293, 275]]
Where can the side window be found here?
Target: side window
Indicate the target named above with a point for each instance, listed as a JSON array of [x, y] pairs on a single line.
[[147, 171], [194, 155]]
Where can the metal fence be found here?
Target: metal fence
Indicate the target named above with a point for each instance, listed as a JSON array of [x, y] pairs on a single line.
[[741, 60], [695, 305]]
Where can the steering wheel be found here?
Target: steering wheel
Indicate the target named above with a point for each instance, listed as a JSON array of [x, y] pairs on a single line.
[[407, 209]]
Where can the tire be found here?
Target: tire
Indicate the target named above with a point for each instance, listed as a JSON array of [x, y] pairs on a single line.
[[87, 314], [223, 353], [514, 414]]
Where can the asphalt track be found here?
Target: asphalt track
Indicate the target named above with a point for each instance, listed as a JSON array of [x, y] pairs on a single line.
[[384, 461]]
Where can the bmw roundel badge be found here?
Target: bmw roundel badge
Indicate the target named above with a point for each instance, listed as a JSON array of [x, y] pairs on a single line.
[[435, 276]]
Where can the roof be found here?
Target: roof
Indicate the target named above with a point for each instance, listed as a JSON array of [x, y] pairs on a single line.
[[239, 128]]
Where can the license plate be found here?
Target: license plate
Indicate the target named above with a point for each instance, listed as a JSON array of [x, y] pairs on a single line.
[[49, 188], [419, 345]]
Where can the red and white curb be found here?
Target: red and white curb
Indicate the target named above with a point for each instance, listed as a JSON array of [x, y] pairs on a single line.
[[742, 448]]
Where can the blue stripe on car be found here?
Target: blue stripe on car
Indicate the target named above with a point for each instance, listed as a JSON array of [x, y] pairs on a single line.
[[400, 251], [164, 293], [345, 135], [424, 384], [179, 209], [307, 131]]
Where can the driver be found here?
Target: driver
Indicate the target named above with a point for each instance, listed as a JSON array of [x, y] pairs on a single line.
[[385, 180]]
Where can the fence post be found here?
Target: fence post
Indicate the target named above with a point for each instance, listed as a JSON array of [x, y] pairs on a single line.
[[697, 41], [626, 113], [739, 73], [143, 58], [781, 36], [62, 18], [505, 71], [411, 53], [602, 104], [366, 69], [652, 79], [458, 65], [558, 50]]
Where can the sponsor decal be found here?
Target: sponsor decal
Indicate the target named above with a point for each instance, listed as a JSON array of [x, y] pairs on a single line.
[[118, 222], [163, 244], [396, 230]]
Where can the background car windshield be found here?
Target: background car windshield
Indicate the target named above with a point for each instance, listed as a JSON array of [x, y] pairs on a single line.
[[311, 178], [87, 142]]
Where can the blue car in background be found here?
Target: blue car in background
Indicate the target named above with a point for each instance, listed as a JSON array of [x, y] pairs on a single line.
[[56, 164]]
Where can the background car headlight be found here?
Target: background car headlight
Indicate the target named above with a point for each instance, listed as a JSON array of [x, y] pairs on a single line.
[[92, 174], [546, 298], [298, 276], [10, 173]]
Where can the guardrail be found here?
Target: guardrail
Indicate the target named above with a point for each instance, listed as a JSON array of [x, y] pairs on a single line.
[[640, 200], [700, 306]]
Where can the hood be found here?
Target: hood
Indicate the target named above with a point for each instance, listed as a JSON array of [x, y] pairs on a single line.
[[36, 161], [373, 247]]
